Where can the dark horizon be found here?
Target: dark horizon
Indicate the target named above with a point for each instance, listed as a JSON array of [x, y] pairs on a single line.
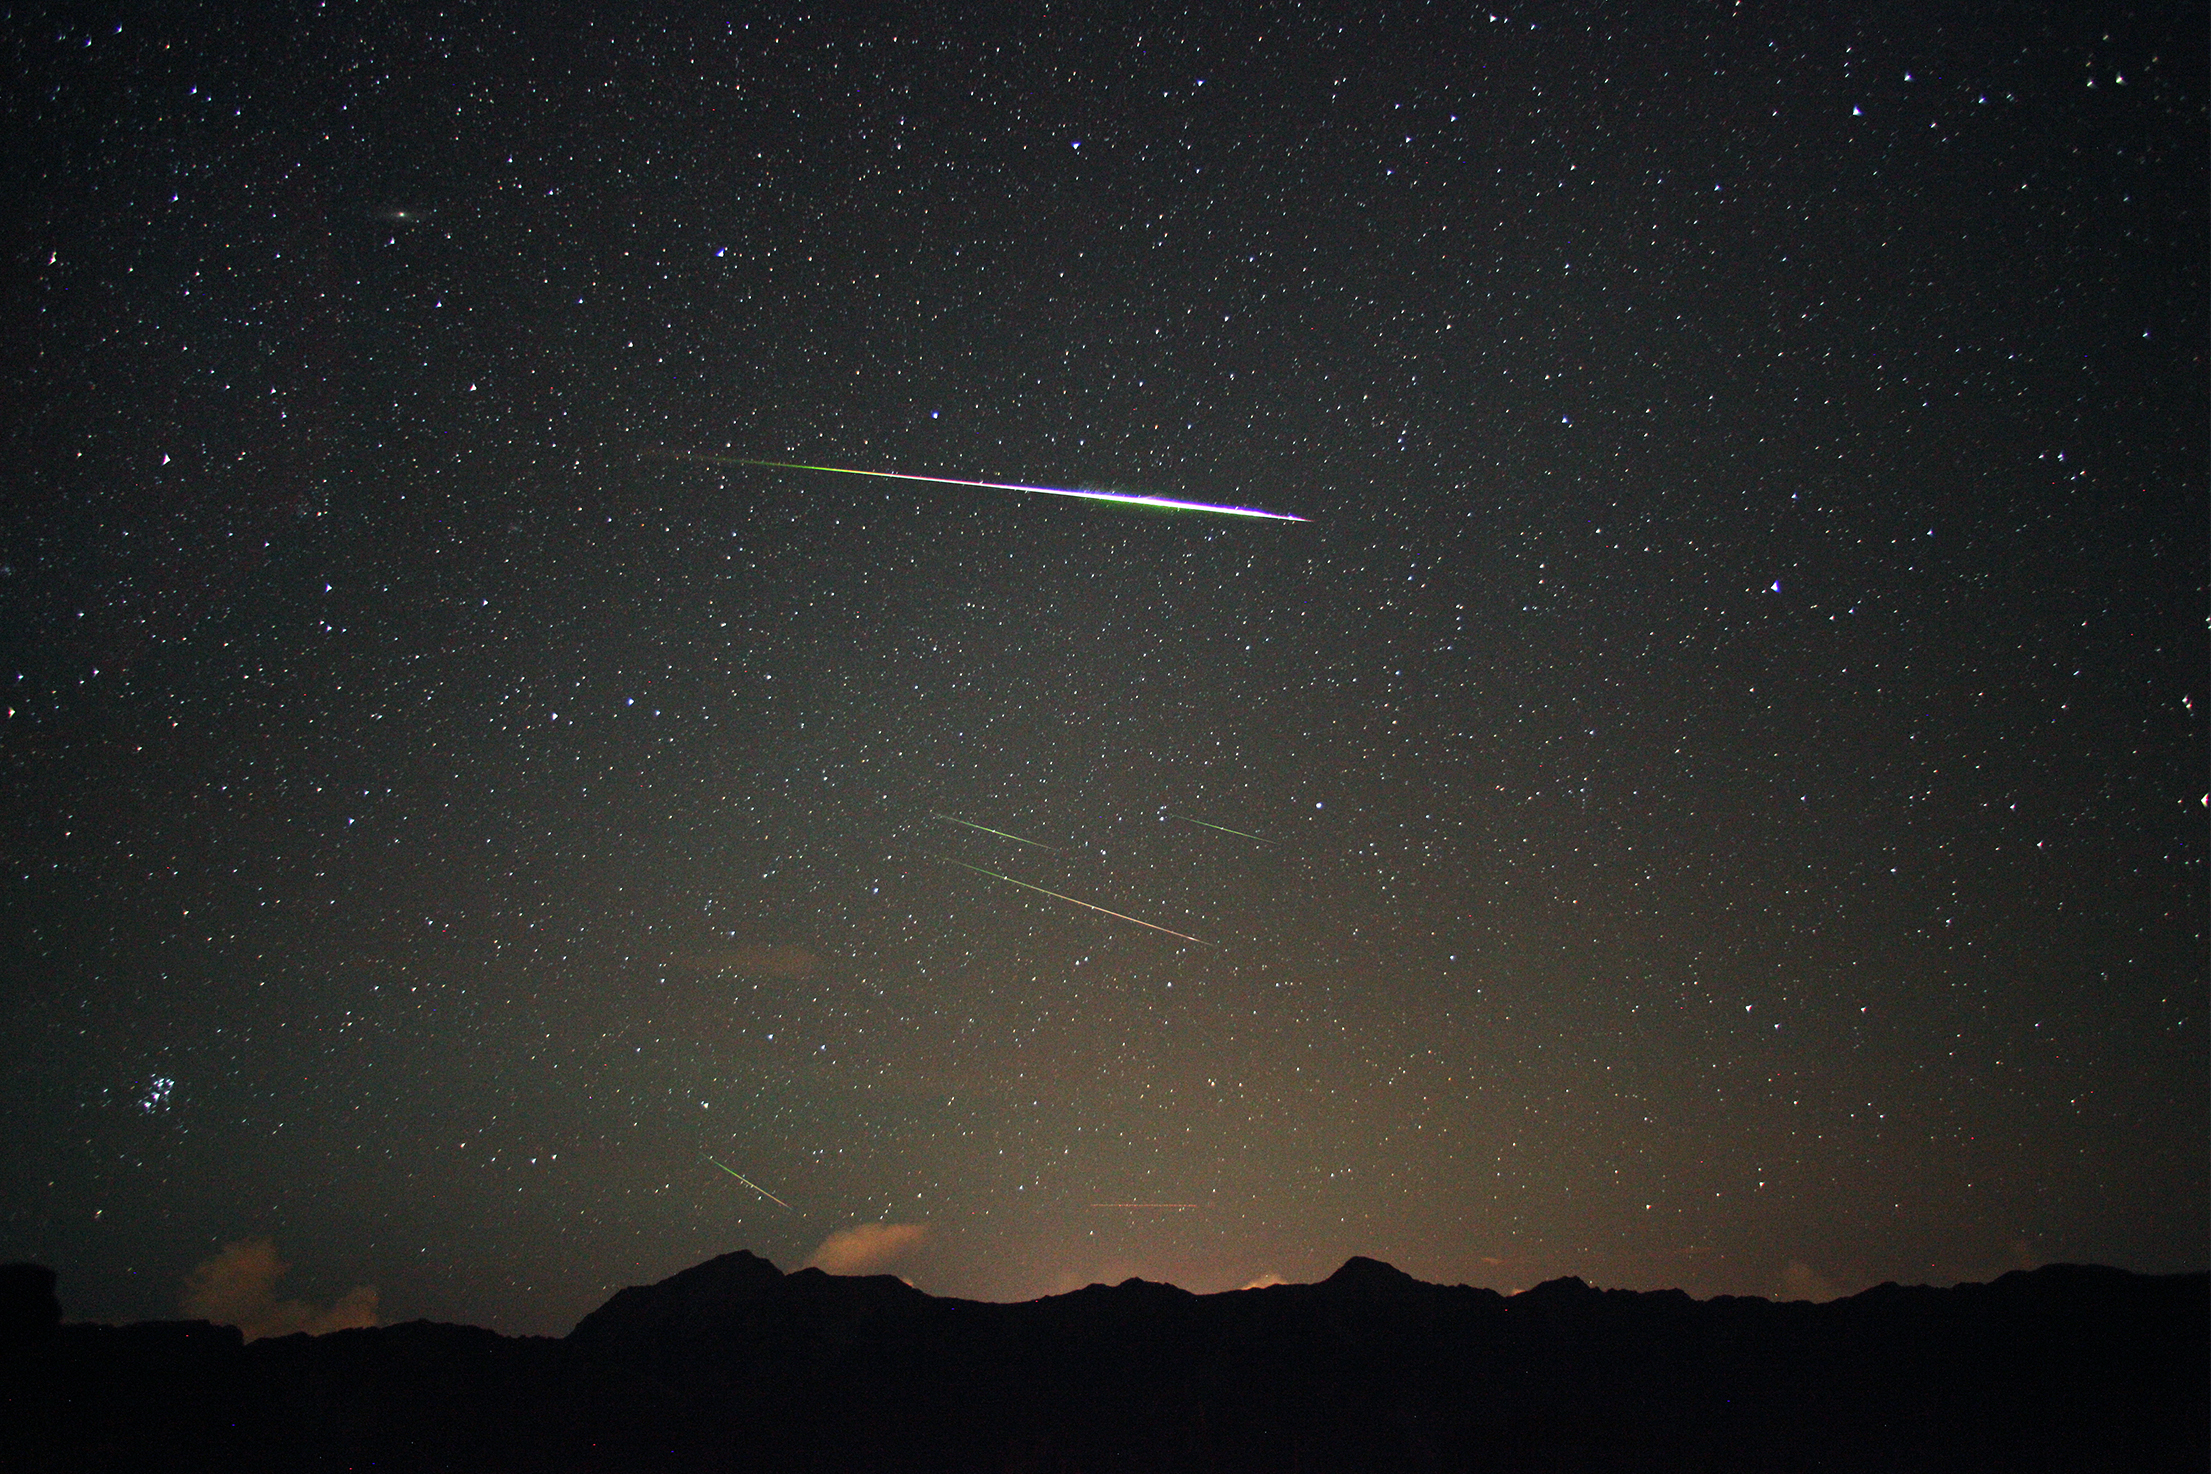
[[733, 1365], [1354, 1267]]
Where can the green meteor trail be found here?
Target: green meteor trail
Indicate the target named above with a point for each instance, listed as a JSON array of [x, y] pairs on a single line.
[[985, 828], [1185, 818], [1070, 900], [1165, 503], [756, 1187]]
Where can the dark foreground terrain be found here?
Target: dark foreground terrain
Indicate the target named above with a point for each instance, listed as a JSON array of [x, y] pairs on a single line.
[[734, 1365]]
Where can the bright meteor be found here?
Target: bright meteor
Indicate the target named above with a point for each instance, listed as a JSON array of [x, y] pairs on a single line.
[[1070, 900], [1162, 502], [756, 1187], [986, 829]]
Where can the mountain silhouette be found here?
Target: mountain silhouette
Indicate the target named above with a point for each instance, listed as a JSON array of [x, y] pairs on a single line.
[[734, 1365]]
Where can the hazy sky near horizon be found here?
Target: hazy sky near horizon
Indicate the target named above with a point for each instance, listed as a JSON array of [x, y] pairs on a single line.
[[1711, 795]]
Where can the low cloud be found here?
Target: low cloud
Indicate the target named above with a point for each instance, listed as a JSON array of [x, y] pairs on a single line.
[[1266, 1282], [753, 959], [1799, 1282], [238, 1288], [868, 1248]]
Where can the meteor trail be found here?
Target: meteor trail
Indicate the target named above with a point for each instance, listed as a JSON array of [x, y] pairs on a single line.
[[1144, 1205], [985, 828], [1185, 818], [1165, 503], [1055, 895], [756, 1187]]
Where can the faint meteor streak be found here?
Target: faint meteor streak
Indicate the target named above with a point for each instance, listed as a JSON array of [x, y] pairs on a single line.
[[1070, 900], [1185, 818], [1165, 503], [985, 828], [1177, 1206], [756, 1187]]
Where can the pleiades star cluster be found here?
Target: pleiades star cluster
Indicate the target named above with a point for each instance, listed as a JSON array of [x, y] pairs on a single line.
[[1711, 793]]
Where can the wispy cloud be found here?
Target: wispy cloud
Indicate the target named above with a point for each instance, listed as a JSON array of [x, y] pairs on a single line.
[[237, 1287], [1800, 1282], [868, 1248]]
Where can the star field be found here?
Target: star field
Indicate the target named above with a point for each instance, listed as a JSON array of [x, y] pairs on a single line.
[[1712, 796]]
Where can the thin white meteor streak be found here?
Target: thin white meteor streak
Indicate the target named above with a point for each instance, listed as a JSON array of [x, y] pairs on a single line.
[[756, 1187], [1070, 900], [1163, 502], [1185, 818], [986, 829]]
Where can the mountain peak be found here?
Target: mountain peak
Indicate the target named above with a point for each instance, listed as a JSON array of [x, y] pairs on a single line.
[[703, 1294], [1370, 1275], [1567, 1289]]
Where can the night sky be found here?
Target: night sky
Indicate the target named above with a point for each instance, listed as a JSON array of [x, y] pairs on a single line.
[[1720, 770]]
